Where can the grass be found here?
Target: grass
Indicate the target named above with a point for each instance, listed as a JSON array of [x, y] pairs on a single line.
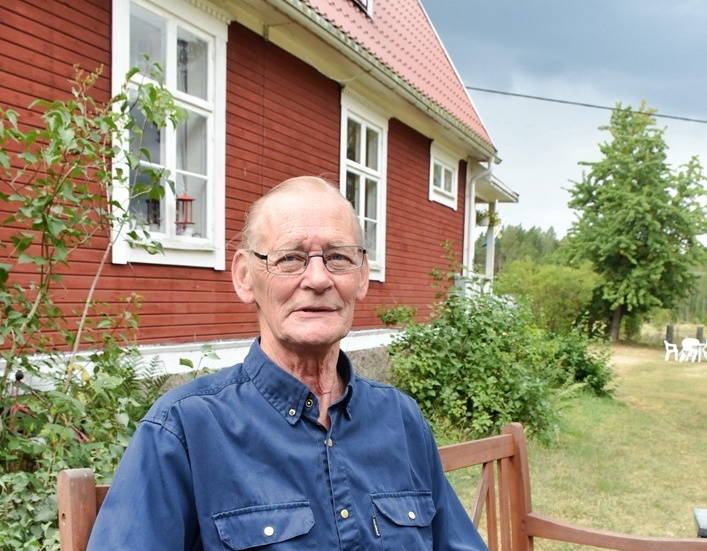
[[636, 463]]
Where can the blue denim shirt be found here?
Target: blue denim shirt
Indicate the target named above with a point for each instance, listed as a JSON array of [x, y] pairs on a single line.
[[237, 460]]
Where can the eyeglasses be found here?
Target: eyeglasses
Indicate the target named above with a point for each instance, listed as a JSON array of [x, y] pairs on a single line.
[[338, 260]]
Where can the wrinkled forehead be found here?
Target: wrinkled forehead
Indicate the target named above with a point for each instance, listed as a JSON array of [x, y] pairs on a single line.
[[300, 220]]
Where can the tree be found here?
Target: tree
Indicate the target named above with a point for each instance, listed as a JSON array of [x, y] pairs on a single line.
[[558, 296], [639, 221], [516, 243]]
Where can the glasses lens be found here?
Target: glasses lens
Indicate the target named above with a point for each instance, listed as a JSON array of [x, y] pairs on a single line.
[[343, 259], [287, 262]]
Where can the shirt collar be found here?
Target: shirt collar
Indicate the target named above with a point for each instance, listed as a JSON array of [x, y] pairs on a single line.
[[287, 394]]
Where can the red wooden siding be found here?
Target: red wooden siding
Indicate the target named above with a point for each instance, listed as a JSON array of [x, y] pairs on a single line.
[[415, 225], [283, 119]]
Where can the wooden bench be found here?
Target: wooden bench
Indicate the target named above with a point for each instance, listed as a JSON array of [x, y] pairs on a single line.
[[503, 494]]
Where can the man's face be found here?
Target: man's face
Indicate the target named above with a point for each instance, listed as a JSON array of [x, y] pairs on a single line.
[[313, 311]]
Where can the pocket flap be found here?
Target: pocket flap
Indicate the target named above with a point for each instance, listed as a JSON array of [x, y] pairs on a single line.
[[406, 508], [264, 524]]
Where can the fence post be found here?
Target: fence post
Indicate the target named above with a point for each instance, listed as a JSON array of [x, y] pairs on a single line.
[[669, 333]]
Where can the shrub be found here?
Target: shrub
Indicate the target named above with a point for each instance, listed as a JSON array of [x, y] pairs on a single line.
[[585, 361], [476, 366], [558, 295], [61, 406], [480, 361]]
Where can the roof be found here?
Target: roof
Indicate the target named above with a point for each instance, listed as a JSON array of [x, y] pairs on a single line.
[[402, 37]]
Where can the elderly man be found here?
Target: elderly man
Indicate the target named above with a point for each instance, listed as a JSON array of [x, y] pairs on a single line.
[[290, 449]]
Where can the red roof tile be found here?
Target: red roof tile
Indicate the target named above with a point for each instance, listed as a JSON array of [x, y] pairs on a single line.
[[402, 37]]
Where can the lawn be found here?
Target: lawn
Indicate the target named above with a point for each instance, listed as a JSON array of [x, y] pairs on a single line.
[[636, 463]]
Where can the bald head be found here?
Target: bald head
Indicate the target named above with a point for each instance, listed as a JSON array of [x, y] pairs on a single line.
[[312, 187]]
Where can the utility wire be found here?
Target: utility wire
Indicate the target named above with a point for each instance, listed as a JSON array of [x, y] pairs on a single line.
[[580, 104]]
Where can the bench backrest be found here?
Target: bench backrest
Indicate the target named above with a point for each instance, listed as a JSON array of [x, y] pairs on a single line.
[[503, 490], [503, 494], [78, 502]]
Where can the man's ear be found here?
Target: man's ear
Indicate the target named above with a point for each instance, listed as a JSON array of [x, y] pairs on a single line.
[[242, 278]]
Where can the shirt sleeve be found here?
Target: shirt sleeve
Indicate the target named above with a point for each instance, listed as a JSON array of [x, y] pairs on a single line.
[[150, 503], [452, 527]]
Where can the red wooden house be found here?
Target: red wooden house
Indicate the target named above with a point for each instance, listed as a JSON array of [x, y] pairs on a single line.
[[361, 92]]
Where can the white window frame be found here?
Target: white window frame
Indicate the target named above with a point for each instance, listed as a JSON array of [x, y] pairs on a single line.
[[447, 162], [370, 116], [211, 25], [365, 5]]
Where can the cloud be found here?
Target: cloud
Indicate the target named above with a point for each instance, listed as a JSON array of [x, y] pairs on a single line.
[[600, 52]]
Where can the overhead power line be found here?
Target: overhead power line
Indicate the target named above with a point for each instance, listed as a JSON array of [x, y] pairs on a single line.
[[578, 103]]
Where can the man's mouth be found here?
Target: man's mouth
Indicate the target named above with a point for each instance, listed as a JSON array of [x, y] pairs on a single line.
[[315, 309]]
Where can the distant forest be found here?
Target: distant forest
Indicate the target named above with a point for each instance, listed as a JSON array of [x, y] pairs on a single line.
[[514, 243]]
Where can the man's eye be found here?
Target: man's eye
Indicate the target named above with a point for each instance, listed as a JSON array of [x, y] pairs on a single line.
[[289, 257], [337, 256]]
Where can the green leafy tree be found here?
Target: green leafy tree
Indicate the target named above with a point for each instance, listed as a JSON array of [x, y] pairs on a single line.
[[558, 296], [516, 243], [639, 221]]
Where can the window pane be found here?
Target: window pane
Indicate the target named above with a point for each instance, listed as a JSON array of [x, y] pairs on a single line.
[[370, 223], [192, 64], [352, 191], [191, 144], [371, 199], [147, 38], [370, 227], [353, 141], [145, 139], [192, 192], [371, 149], [437, 176], [145, 207], [448, 180]]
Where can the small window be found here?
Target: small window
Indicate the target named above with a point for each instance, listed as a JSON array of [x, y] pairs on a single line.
[[365, 5], [444, 175]]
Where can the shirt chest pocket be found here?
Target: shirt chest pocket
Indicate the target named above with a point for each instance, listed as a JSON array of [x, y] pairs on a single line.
[[270, 526], [403, 520]]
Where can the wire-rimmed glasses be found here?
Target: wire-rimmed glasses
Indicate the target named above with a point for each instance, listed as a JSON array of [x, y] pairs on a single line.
[[338, 260]]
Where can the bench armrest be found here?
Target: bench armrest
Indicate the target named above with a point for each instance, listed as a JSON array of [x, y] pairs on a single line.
[[542, 526]]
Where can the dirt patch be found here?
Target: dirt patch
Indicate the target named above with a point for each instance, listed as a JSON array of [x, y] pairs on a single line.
[[624, 356]]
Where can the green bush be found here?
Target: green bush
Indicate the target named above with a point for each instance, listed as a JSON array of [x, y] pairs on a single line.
[[585, 361], [480, 361], [477, 365], [61, 405], [88, 425], [558, 296]]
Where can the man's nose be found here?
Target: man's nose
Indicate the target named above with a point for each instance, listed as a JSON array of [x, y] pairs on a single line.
[[317, 270]]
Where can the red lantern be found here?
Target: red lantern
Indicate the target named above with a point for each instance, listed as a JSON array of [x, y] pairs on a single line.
[[185, 219]]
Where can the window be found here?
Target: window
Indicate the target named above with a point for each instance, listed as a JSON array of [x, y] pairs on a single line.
[[443, 177], [365, 5], [363, 144], [189, 45]]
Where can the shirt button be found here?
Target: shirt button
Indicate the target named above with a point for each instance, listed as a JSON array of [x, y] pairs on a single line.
[[269, 531], [309, 403], [330, 442], [411, 515], [344, 513], [292, 412]]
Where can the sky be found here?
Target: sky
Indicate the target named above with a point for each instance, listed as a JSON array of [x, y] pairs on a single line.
[[598, 52]]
